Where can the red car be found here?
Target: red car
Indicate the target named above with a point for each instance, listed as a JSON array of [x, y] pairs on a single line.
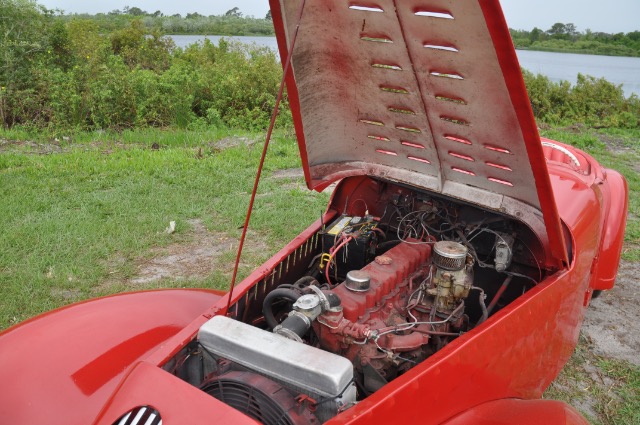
[[445, 284]]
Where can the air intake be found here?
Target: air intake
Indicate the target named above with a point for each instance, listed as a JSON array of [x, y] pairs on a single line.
[[449, 255]]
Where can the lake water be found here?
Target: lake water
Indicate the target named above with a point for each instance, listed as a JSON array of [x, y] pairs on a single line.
[[556, 66], [566, 66]]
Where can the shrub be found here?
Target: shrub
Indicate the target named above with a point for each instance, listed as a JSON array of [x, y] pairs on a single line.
[[139, 48], [594, 102], [111, 96], [67, 74], [243, 97], [22, 45], [67, 99]]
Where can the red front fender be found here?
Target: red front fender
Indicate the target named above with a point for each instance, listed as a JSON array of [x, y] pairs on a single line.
[[61, 367], [520, 412], [177, 402], [615, 204]]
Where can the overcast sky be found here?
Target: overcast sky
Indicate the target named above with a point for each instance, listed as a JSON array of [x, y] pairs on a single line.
[[611, 16]]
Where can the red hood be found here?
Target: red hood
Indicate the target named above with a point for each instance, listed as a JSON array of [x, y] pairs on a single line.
[[424, 92]]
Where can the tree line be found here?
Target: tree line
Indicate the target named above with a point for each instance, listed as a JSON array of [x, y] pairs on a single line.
[[231, 23], [561, 37], [72, 75], [566, 38]]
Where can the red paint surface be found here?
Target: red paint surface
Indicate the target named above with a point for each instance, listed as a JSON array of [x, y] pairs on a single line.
[[521, 412], [615, 205], [71, 364], [61, 367], [178, 402]]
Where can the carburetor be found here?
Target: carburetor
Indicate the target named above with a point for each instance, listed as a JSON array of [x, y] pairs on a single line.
[[453, 277]]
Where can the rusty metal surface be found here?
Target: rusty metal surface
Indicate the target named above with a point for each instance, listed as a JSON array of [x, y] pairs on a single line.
[[417, 91], [413, 85]]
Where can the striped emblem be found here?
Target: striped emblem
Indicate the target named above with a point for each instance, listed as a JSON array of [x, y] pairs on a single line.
[[144, 415]]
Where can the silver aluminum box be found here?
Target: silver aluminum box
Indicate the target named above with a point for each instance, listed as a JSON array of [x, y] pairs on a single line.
[[301, 366]]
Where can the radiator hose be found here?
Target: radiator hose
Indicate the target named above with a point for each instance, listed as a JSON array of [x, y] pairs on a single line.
[[267, 305]]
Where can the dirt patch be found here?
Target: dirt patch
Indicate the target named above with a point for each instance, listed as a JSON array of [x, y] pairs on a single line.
[[58, 146], [30, 147], [289, 173], [611, 324], [297, 174], [232, 142], [614, 144], [290, 178], [594, 391], [68, 295], [194, 260]]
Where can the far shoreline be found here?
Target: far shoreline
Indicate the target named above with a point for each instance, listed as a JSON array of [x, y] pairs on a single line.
[[548, 50]]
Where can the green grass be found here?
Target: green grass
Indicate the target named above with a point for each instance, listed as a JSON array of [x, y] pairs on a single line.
[[68, 213], [625, 406], [138, 137], [605, 391]]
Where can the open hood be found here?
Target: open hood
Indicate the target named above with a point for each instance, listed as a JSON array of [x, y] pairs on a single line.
[[424, 92]]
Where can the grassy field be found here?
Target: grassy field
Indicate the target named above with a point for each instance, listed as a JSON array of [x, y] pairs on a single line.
[[82, 214]]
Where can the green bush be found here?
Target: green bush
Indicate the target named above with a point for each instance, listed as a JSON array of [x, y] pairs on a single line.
[[67, 74], [112, 98], [594, 102], [69, 106], [242, 98], [23, 26], [141, 48]]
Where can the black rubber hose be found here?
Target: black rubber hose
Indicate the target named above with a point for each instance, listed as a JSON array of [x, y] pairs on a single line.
[[305, 281], [267, 305], [383, 246]]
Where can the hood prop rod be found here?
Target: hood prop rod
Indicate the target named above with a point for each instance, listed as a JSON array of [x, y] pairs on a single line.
[[274, 115]]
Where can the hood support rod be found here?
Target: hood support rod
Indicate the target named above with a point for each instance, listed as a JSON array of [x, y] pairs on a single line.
[[274, 115]]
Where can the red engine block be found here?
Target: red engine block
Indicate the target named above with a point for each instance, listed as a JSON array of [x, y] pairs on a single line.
[[394, 277], [388, 278]]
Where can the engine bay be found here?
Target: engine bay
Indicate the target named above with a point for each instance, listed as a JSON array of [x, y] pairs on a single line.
[[391, 279]]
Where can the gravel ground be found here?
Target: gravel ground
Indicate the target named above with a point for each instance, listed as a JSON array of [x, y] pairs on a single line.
[[611, 324]]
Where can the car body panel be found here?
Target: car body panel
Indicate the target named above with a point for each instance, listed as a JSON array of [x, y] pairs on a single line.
[[178, 402], [521, 412], [61, 367], [615, 205]]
